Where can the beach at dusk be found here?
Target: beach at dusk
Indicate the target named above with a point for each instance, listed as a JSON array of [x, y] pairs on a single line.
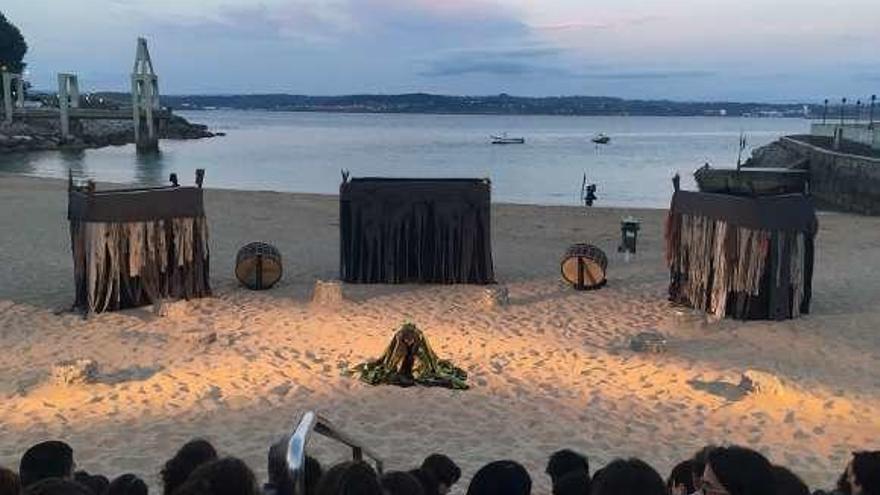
[[416, 247]]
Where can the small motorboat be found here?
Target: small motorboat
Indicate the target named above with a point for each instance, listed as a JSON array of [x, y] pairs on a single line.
[[601, 139], [504, 139]]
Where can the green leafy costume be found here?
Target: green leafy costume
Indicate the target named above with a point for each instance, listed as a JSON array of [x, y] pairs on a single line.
[[409, 360]]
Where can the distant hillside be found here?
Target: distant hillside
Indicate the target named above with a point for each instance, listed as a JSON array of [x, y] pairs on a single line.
[[496, 105]]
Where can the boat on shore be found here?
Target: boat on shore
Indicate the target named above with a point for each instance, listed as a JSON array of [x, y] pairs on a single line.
[[601, 139], [504, 139], [752, 181]]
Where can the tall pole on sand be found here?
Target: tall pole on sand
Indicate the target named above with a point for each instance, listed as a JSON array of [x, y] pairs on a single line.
[[842, 107], [825, 111]]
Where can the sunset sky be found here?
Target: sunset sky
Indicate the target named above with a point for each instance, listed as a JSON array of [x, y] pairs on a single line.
[[764, 50]]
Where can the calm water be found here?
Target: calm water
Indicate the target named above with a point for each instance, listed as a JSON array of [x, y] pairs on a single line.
[[304, 152]]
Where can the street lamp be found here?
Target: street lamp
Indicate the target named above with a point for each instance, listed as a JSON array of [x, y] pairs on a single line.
[[825, 111], [858, 110], [842, 107], [871, 118]]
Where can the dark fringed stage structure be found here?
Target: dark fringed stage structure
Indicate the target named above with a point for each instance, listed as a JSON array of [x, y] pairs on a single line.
[[744, 257], [134, 247], [415, 231]]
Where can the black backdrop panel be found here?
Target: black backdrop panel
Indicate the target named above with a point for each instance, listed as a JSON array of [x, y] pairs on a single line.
[[415, 231]]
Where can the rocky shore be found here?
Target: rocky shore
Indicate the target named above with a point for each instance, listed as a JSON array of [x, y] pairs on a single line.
[[777, 155], [38, 135]]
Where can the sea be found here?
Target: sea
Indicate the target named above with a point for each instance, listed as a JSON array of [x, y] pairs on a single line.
[[306, 152]]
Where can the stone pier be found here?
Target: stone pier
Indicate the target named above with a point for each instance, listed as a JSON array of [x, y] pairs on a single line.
[[13, 93], [144, 100], [68, 97]]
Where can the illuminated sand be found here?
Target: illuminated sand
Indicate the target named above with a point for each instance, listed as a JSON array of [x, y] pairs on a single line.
[[551, 370]]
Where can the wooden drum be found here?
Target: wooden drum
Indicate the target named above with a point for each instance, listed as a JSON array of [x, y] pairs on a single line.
[[583, 266], [258, 266]]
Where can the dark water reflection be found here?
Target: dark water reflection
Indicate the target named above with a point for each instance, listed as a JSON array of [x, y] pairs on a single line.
[[149, 168], [74, 161], [19, 163]]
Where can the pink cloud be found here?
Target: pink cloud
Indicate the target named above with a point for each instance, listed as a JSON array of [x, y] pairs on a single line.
[[456, 9]]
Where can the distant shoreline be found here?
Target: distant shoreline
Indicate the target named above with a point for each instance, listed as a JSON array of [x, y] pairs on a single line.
[[503, 104], [487, 114]]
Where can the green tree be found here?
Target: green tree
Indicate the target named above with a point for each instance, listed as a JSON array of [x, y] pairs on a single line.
[[12, 46]]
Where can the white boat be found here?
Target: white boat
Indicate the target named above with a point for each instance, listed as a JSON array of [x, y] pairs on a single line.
[[504, 139], [601, 139]]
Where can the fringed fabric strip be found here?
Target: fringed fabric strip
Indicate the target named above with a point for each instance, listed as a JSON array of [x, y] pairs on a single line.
[[798, 282], [118, 265], [720, 275], [714, 259]]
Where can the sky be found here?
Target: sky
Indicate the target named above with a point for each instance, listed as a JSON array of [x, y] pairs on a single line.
[[692, 50]]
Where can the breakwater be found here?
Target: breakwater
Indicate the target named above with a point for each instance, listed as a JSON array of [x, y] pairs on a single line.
[[847, 179], [45, 134]]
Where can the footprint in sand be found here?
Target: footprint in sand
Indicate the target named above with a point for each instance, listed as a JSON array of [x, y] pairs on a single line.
[[213, 393], [550, 390]]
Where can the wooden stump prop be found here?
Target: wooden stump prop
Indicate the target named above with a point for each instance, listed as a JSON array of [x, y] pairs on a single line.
[[258, 266], [327, 293], [496, 296]]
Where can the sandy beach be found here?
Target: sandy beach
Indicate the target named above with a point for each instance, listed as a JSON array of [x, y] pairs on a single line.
[[551, 370]]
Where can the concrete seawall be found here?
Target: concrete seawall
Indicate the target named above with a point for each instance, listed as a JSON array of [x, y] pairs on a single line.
[[859, 132], [839, 180]]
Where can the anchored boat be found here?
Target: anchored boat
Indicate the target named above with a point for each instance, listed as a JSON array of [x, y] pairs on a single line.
[[601, 139], [504, 139]]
